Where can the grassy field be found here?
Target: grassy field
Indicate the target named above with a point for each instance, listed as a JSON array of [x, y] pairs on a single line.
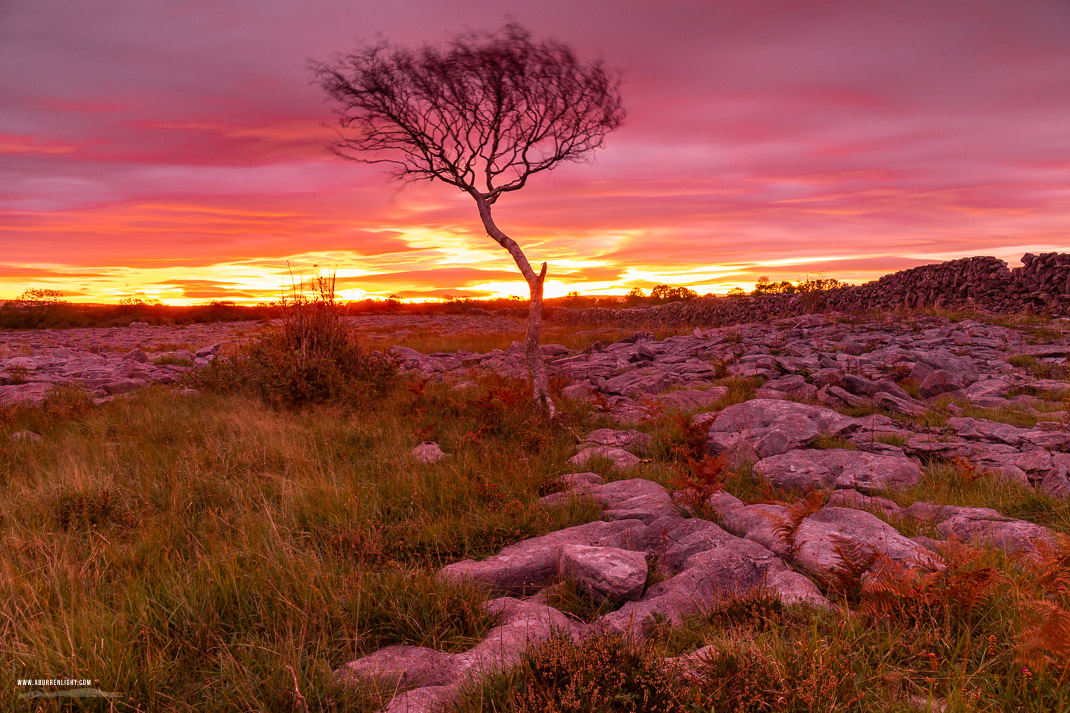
[[429, 342], [204, 553], [184, 551]]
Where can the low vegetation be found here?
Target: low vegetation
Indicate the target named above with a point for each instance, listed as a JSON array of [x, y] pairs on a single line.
[[188, 552], [184, 551], [958, 482], [45, 308], [311, 357], [48, 309], [980, 634]]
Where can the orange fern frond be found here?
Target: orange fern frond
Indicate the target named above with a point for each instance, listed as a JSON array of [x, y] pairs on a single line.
[[1045, 637], [855, 559], [701, 479], [958, 583], [893, 591], [786, 528], [1050, 565]]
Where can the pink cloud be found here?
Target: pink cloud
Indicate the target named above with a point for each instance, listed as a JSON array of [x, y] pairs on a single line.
[[189, 135]]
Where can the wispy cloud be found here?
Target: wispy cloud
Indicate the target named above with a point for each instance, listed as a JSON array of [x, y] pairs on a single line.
[[160, 149]]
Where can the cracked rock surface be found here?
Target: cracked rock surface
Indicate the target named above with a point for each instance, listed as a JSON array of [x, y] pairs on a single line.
[[698, 562], [917, 394]]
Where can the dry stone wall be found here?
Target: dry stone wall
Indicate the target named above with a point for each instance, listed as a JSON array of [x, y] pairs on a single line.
[[1041, 285]]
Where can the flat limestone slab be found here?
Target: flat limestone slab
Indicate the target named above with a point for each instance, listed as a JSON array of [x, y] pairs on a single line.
[[837, 468]]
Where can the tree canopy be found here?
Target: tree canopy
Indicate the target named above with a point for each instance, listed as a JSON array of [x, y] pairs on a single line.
[[483, 113]]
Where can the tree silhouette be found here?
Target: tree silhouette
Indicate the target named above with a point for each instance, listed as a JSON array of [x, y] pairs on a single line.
[[483, 114]]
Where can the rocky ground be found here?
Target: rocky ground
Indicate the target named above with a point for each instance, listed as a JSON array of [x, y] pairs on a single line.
[[846, 409], [851, 409], [117, 360]]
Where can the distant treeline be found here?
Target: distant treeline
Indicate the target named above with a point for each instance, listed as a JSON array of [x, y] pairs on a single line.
[[46, 309]]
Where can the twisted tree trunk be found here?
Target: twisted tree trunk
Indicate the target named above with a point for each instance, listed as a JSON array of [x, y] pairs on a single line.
[[540, 382]]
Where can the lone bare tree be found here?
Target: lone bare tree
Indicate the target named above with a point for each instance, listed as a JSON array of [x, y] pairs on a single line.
[[483, 114]]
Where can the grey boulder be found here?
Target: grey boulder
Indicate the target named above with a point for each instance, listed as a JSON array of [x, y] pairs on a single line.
[[770, 427], [528, 566], [628, 440], [620, 458], [604, 573], [428, 452]]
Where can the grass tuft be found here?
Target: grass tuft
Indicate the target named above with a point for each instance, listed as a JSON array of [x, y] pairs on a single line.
[[313, 357]]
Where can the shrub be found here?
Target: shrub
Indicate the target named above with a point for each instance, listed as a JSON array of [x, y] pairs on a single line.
[[311, 358], [742, 675], [67, 401], [659, 294], [757, 608], [38, 308], [91, 510], [172, 360], [17, 374], [765, 287]]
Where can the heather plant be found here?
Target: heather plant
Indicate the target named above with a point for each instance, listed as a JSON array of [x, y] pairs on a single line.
[[758, 608], [611, 674], [744, 676]]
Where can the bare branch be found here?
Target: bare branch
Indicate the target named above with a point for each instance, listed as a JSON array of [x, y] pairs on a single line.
[[483, 114]]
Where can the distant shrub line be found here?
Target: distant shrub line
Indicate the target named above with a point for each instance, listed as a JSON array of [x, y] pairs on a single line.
[[46, 309]]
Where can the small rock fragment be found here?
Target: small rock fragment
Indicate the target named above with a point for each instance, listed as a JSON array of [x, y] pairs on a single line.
[[428, 452]]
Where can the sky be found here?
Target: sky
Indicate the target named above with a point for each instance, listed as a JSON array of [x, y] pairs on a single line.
[[177, 149]]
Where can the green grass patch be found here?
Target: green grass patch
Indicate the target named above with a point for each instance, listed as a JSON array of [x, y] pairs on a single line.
[[1007, 414], [571, 600], [826, 442], [958, 483], [1040, 369], [892, 439], [740, 389], [185, 551], [1022, 361]]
